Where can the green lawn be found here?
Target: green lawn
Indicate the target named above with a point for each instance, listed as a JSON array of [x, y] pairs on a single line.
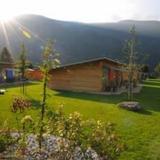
[[140, 131]]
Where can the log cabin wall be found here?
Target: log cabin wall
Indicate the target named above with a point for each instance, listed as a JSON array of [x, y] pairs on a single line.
[[85, 77], [88, 76]]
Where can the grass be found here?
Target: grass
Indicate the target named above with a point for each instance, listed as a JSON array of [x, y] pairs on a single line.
[[140, 131]]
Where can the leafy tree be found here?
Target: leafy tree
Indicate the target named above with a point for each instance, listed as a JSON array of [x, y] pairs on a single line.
[[6, 56], [23, 65], [50, 61], [131, 57], [157, 69]]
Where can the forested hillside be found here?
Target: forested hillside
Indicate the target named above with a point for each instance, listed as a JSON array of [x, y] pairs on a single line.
[[79, 41]]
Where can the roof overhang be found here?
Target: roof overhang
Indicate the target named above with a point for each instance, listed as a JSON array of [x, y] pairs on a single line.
[[91, 60]]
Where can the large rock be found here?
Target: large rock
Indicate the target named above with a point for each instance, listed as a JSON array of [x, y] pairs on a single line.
[[133, 106]]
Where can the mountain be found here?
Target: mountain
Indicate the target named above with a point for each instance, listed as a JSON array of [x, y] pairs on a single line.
[[79, 41]]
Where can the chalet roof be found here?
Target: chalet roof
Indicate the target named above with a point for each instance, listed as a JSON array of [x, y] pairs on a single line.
[[91, 60]]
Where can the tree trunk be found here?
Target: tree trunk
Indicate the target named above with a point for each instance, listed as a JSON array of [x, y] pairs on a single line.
[[130, 87], [43, 109], [23, 78], [130, 74]]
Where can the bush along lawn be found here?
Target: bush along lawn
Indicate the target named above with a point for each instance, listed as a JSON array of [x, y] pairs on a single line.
[[131, 135]]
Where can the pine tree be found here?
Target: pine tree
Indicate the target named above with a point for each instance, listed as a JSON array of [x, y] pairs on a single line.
[[6, 56]]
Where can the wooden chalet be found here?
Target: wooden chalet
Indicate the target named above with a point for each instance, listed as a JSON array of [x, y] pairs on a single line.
[[94, 75], [34, 74]]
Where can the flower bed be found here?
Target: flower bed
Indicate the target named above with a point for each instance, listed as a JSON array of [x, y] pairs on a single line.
[[51, 149]]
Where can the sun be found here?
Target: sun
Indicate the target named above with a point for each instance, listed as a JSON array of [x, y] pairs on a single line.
[[7, 11], [5, 17]]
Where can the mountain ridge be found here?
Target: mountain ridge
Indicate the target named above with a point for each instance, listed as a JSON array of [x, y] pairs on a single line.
[[79, 41]]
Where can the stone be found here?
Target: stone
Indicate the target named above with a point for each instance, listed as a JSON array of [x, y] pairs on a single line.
[[133, 106]]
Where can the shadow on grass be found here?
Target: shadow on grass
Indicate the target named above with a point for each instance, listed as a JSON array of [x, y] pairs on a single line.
[[142, 111], [36, 104], [108, 99], [149, 97], [145, 112], [112, 99]]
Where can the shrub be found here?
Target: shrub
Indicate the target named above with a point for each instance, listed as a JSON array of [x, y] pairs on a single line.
[[20, 104], [96, 135]]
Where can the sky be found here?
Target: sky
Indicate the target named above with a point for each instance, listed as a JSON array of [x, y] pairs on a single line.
[[83, 10]]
